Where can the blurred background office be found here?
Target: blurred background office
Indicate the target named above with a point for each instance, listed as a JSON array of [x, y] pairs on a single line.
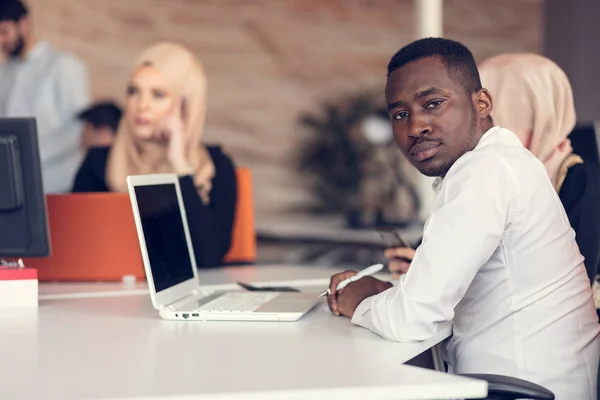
[[295, 90]]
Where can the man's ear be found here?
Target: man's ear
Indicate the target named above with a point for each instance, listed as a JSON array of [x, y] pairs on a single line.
[[483, 103]]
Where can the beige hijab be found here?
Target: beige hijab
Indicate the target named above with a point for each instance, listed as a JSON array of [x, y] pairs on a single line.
[[130, 156], [533, 98]]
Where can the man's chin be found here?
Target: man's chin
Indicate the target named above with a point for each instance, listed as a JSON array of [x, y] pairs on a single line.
[[432, 169], [14, 53], [18, 47]]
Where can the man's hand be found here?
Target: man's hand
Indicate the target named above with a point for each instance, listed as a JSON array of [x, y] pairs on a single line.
[[347, 300], [333, 283]]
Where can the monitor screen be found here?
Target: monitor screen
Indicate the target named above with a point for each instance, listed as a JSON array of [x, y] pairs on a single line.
[[164, 235], [23, 220]]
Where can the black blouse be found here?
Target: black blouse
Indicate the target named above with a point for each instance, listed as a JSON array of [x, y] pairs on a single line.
[[210, 225], [580, 196]]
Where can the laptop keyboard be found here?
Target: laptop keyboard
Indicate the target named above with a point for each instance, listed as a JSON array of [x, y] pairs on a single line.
[[242, 302]]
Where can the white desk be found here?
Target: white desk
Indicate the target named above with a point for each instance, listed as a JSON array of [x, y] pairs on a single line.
[[118, 348], [222, 279]]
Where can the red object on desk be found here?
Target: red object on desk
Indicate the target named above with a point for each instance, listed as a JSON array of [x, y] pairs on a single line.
[[13, 274], [93, 238]]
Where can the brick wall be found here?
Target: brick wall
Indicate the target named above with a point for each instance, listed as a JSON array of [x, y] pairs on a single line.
[[270, 60]]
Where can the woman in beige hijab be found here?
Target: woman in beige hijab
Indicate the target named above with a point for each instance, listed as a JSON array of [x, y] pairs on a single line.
[[161, 132], [533, 98]]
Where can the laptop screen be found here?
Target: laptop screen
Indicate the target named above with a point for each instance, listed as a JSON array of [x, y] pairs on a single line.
[[164, 235]]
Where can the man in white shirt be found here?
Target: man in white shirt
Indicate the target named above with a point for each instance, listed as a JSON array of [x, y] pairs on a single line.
[[39, 81], [498, 256]]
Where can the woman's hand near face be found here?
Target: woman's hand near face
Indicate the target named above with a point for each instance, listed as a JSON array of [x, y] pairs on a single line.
[[172, 134]]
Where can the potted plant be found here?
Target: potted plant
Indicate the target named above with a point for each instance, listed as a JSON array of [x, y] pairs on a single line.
[[353, 165]]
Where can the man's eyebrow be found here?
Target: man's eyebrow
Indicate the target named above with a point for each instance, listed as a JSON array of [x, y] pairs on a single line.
[[420, 94], [426, 92], [391, 106]]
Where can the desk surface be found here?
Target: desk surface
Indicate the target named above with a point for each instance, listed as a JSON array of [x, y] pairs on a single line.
[[118, 348], [221, 279]]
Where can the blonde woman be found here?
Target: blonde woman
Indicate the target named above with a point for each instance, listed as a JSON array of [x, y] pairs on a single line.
[[161, 132]]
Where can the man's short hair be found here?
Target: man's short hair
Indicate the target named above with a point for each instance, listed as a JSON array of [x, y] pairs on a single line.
[[12, 10], [457, 58], [99, 115]]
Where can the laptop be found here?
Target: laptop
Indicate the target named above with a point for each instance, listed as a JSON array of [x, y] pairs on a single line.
[[170, 264]]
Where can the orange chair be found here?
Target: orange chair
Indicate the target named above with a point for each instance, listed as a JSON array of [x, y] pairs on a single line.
[[93, 236], [243, 241]]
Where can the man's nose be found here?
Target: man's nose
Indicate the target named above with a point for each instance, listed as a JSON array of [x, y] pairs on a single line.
[[419, 126]]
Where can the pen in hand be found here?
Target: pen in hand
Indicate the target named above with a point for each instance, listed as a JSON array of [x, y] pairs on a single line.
[[373, 269]]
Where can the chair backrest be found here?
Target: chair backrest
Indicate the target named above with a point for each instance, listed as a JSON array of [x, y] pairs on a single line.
[[93, 236], [243, 241]]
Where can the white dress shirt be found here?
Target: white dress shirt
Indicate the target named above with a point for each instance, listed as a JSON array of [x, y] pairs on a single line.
[[51, 86], [499, 259]]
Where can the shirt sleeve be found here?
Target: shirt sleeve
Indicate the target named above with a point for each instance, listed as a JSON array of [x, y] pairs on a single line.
[[59, 131], [473, 207], [72, 96]]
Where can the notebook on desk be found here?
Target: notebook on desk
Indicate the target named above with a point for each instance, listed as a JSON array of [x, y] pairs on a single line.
[[170, 264]]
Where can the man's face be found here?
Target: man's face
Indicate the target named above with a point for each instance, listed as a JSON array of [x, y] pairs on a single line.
[[434, 119], [12, 41]]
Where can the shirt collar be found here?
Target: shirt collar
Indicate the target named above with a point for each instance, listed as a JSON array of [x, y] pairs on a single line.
[[493, 136], [38, 50], [497, 135]]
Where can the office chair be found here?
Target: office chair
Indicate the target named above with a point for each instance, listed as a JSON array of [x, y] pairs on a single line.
[[243, 238], [507, 388], [502, 387], [97, 230]]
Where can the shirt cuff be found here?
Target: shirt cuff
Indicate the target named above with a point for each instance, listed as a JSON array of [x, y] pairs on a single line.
[[361, 314]]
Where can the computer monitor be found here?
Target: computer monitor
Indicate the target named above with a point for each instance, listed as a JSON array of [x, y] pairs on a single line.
[[23, 220]]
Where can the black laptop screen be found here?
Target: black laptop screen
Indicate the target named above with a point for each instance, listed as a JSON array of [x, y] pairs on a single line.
[[164, 235]]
